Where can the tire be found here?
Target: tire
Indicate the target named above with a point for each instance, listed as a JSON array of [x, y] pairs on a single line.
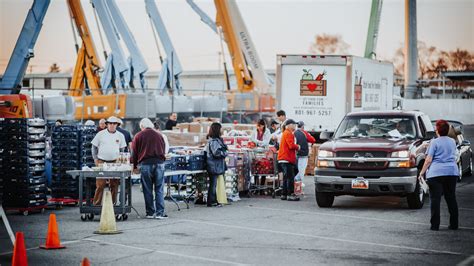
[[83, 217], [416, 199], [469, 170], [460, 172], [324, 199], [90, 216]]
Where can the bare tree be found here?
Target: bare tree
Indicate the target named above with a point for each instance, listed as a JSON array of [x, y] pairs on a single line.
[[461, 60], [432, 61], [54, 68], [328, 44]]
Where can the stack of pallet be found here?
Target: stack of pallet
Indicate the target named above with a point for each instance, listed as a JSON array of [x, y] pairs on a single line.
[[22, 159]]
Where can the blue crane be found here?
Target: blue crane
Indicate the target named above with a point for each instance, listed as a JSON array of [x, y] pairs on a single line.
[[23, 51], [116, 67], [171, 67]]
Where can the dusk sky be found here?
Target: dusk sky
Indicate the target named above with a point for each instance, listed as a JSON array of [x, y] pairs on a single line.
[[275, 27]]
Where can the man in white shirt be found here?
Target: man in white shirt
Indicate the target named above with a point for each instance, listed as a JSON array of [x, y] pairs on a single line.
[[106, 148]]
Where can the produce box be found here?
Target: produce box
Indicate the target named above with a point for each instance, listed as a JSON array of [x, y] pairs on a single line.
[[185, 139], [312, 159]]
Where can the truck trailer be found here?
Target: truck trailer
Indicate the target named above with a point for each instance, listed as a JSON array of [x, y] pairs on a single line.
[[321, 89]]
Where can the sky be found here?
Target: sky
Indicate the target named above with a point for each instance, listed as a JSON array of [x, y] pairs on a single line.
[[276, 27]]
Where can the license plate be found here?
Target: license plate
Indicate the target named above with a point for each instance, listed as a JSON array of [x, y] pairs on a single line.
[[360, 184]]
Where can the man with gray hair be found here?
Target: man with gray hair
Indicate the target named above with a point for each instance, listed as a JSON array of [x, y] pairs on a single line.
[[148, 158]]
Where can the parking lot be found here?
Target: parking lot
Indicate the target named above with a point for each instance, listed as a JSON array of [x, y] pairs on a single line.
[[261, 231]]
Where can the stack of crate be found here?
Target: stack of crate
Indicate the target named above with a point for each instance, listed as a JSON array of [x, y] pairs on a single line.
[[87, 134], [22, 161], [65, 156]]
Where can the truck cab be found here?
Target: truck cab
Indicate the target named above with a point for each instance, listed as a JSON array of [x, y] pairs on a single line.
[[374, 153]]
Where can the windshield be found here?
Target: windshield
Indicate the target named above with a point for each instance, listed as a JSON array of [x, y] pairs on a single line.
[[376, 127]]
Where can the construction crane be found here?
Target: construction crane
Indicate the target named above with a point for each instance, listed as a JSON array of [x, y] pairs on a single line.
[[13, 104], [248, 68], [171, 66], [85, 86], [373, 31], [118, 68], [86, 71]]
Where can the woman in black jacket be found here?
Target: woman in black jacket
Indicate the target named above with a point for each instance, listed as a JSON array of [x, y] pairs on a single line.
[[216, 151]]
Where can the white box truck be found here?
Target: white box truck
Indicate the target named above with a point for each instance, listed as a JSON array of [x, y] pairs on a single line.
[[320, 90]]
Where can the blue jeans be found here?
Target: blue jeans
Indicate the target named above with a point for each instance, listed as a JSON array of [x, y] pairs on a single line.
[[153, 174]]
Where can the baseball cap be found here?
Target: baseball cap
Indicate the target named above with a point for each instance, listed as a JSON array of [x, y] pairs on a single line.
[[290, 121]]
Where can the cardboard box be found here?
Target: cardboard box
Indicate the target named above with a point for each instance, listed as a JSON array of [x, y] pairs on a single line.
[[195, 127], [312, 159], [185, 139], [244, 127], [205, 119]]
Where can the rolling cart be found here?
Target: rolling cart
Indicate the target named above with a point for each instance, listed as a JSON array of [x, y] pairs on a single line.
[[264, 165], [87, 180]]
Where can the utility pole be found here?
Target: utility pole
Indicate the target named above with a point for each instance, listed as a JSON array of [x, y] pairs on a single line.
[[411, 50]]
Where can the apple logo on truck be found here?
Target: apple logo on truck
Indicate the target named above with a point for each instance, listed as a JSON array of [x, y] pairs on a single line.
[[310, 86]]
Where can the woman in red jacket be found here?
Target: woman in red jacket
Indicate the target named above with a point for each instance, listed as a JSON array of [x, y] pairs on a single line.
[[287, 160]]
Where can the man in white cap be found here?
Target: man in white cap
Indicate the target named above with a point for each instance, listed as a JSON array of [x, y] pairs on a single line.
[[106, 148]]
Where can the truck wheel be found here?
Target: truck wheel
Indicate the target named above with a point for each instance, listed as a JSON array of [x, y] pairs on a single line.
[[469, 170], [324, 200], [417, 198], [460, 172]]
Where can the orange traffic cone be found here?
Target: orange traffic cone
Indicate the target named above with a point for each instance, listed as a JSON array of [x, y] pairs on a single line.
[[52, 238], [85, 262], [19, 251]]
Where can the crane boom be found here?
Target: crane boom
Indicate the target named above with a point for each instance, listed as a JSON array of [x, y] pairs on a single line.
[[87, 63], [373, 31], [23, 51], [171, 57], [116, 67], [224, 21], [138, 66], [204, 17]]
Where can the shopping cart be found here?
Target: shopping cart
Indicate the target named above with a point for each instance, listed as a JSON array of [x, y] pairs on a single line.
[[264, 170]]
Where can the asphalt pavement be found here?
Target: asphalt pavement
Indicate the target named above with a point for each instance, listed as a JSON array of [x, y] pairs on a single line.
[[261, 231]]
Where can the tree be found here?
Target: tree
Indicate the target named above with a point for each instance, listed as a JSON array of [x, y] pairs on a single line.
[[328, 44], [432, 61], [54, 68]]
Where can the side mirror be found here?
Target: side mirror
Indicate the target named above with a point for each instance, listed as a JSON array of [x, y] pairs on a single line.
[[430, 135], [325, 135], [465, 143]]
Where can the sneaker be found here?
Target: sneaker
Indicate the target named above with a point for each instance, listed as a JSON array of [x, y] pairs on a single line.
[[150, 216], [283, 197], [161, 217], [293, 198]]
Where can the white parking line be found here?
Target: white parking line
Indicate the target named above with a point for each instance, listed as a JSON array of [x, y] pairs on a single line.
[[467, 262], [167, 252], [351, 216], [467, 209], [33, 248], [323, 237]]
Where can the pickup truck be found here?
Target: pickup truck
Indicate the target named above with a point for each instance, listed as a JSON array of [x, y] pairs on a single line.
[[374, 153]]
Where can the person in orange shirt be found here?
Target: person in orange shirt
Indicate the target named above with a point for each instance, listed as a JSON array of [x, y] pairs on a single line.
[[287, 160]]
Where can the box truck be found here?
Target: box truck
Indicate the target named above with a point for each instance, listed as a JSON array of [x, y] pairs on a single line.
[[321, 90]]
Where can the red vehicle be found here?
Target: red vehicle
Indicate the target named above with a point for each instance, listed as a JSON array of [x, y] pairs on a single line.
[[374, 153]]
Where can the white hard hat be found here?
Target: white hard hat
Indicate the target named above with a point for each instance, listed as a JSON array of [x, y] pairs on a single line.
[[89, 123]]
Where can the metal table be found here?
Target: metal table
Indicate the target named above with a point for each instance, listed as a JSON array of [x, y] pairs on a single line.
[[88, 210], [168, 184]]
